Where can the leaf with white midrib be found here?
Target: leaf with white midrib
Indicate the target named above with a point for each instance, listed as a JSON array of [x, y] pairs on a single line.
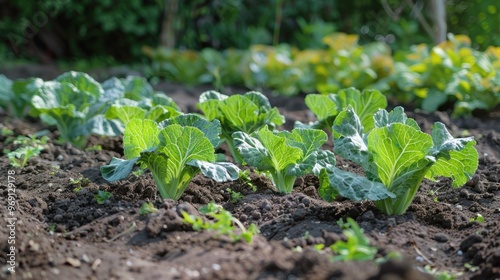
[[396, 147], [139, 135]]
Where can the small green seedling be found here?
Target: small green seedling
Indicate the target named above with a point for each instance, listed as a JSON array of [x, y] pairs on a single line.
[[102, 196], [224, 223], [357, 247], [244, 176], [28, 147], [52, 228], [471, 268], [434, 194], [55, 169], [138, 172], [441, 275], [147, 208], [4, 131], [318, 247], [235, 196], [343, 225], [79, 183], [96, 148], [479, 218]]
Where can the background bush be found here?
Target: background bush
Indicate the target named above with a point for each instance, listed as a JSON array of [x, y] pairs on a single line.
[[54, 29]]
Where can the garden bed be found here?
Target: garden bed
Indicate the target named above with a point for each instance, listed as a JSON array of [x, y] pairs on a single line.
[[65, 234]]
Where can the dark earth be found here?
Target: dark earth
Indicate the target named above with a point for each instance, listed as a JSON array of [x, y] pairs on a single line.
[[63, 234]]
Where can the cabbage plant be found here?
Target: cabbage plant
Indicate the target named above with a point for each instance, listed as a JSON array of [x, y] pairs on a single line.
[[396, 156]]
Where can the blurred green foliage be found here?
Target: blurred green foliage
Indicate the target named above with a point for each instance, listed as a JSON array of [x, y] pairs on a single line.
[[54, 29], [479, 19], [69, 28], [428, 76]]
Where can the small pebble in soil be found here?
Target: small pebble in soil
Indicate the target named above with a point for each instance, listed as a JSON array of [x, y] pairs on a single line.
[[60, 157], [74, 151], [368, 216], [306, 201], [186, 207], [299, 215], [58, 218], [266, 206], [73, 262], [469, 241], [84, 258], [256, 215], [248, 209], [473, 181], [243, 217], [103, 158], [441, 237], [391, 222]]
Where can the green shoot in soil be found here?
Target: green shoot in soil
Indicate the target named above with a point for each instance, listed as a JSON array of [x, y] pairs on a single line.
[[102, 196], [357, 247], [28, 147], [244, 176], [96, 148], [224, 223], [79, 183], [147, 208], [235, 196], [479, 218]]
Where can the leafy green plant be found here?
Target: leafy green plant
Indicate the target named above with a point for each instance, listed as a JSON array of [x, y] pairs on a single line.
[[246, 113], [147, 208], [327, 107], [451, 72], [75, 103], [139, 100], [102, 196], [224, 224], [174, 151], [285, 155], [28, 147], [396, 156], [15, 96], [356, 248]]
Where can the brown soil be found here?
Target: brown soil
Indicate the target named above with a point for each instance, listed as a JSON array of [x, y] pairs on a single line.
[[63, 234]]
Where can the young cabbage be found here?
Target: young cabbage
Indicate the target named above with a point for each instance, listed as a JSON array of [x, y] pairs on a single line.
[[75, 103], [396, 156], [327, 107], [247, 113], [174, 151], [138, 100], [285, 155], [15, 96]]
